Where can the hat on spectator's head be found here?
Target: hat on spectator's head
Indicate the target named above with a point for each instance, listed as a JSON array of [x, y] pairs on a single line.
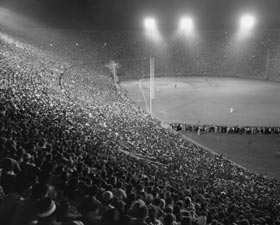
[[197, 206], [188, 200], [180, 204], [107, 197], [87, 204], [27, 156], [73, 222], [162, 203], [46, 207], [140, 203]]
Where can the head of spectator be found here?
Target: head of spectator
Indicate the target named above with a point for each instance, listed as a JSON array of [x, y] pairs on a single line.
[[156, 202], [162, 203], [188, 202], [27, 157], [7, 165], [152, 215], [107, 198], [141, 213], [170, 219], [73, 222], [88, 206], [46, 211]]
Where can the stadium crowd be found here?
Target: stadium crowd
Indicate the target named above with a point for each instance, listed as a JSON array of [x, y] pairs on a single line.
[[225, 129], [75, 150], [212, 53]]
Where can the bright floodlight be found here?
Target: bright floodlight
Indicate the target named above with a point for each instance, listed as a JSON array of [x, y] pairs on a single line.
[[247, 22], [151, 29], [186, 24], [150, 23]]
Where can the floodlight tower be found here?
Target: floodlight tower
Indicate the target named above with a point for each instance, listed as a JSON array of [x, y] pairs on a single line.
[[152, 33]]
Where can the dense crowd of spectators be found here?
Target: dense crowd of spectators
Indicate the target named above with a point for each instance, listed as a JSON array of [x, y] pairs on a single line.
[[66, 132], [225, 129], [210, 53]]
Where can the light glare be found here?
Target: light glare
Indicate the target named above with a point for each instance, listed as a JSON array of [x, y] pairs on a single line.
[[247, 22], [186, 24], [150, 23], [151, 29]]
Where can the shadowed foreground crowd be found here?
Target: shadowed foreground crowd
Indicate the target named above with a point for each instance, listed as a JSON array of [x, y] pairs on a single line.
[[61, 159]]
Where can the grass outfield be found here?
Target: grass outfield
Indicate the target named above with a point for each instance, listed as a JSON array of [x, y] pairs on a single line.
[[209, 100]]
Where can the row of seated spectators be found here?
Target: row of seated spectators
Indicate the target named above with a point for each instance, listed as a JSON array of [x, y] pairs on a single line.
[[225, 129], [62, 135]]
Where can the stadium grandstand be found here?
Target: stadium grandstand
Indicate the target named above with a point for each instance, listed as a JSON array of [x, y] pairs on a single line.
[[76, 150]]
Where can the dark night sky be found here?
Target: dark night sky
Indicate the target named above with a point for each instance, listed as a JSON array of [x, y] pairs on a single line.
[[127, 14]]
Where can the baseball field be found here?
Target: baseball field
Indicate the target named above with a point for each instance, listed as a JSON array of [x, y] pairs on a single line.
[[219, 101]]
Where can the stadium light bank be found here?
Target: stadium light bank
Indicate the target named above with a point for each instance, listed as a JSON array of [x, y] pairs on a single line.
[[247, 23], [151, 29], [186, 26]]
